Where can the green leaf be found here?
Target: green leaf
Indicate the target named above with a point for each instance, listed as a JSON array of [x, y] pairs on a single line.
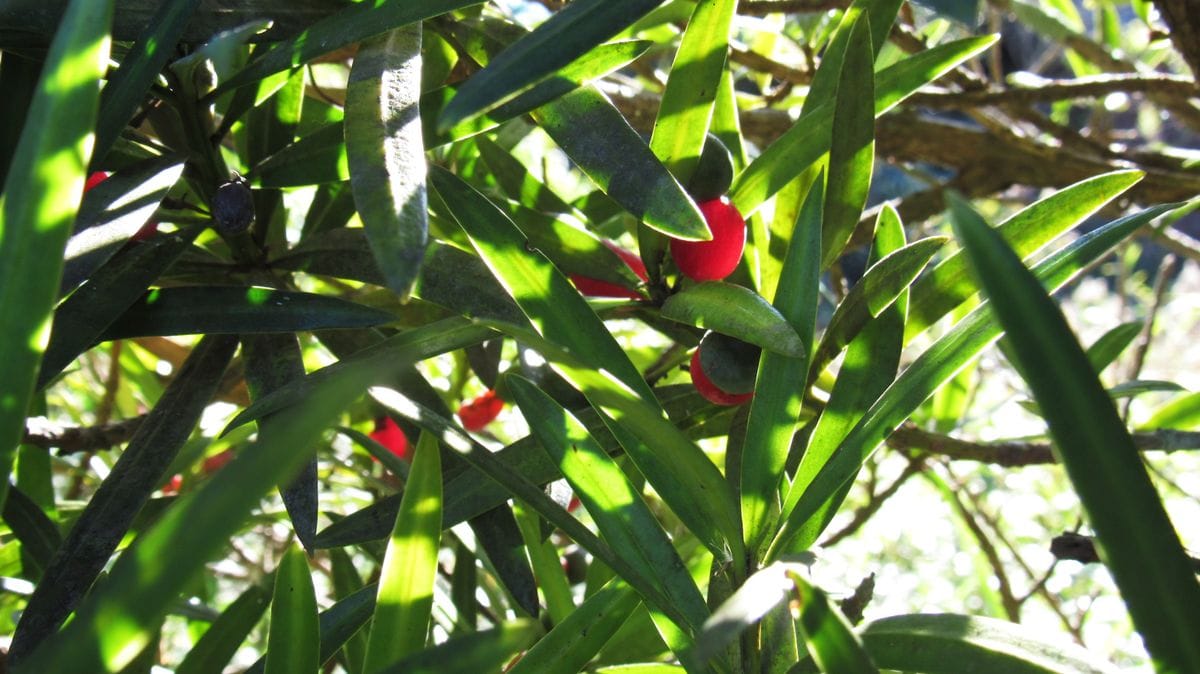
[[948, 284], [597, 137], [402, 349], [272, 362], [38, 534], [318, 157], [387, 154], [575, 339], [687, 100], [775, 407], [518, 183], [355, 23], [852, 144], [1182, 412], [735, 311], [405, 599], [1132, 529], [118, 618], [114, 211], [827, 634], [547, 565], [869, 367], [808, 139], [82, 318], [873, 293], [213, 651], [111, 510], [762, 591], [565, 36], [949, 644], [569, 647], [935, 366], [1111, 344], [1136, 387], [127, 88], [486, 651], [623, 518], [224, 310], [37, 207], [294, 638]]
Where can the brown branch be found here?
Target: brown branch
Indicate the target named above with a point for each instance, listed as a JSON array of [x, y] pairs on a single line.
[[861, 515], [1080, 548], [1181, 16], [853, 606], [1097, 86], [40, 432], [1018, 454]]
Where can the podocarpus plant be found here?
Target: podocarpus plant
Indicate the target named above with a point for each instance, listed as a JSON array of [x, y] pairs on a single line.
[[368, 207]]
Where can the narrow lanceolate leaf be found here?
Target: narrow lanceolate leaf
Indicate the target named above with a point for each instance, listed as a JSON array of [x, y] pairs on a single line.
[[593, 362], [808, 139], [869, 367], [568, 647], [121, 496], [852, 145], [948, 644], [405, 599], [935, 366], [38, 534], [779, 390], [827, 634], [272, 362], [213, 651], [735, 311], [1110, 345], [597, 137], [128, 86], [761, 592], [83, 317], [615, 505], [873, 293], [218, 309], [567, 35], [41, 193], [486, 651], [355, 23], [387, 153], [1137, 541], [949, 284], [687, 101], [292, 643], [118, 618], [114, 211]]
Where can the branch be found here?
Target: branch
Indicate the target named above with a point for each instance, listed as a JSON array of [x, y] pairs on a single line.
[[1097, 86], [765, 7], [1080, 548], [1181, 16], [1018, 454], [40, 432]]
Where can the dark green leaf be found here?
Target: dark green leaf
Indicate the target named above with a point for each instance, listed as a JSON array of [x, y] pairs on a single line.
[[564, 37], [318, 157], [149, 575], [387, 154], [81, 319], [573, 643], [39, 535], [596, 136], [224, 310], [738, 312], [213, 651], [111, 510], [1111, 344], [1133, 531], [761, 592], [486, 651], [355, 23], [949, 644]]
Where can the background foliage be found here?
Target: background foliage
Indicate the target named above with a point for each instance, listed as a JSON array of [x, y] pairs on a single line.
[[299, 376]]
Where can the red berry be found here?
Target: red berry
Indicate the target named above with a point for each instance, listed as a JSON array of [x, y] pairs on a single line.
[[596, 288], [388, 434], [713, 260], [217, 461], [709, 390], [148, 230], [94, 179], [478, 413], [172, 486]]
